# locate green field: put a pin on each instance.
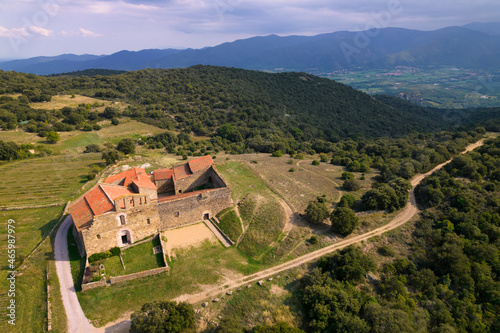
(435, 87)
(44, 180)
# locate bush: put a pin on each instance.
(277, 153)
(344, 221)
(291, 170)
(347, 175)
(99, 256)
(313, 240)
(347, 200)
(386, 251)
(316, 212)
(315, 163)
(163, 317)
(92, 148)
(351, 185)
(115, 121)
(53, 137)
(126, 146)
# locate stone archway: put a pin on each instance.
(124, 237)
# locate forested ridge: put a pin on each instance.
(266, 111)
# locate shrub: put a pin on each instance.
(315, 163)
(291, 170)
(347, 175)
(313, 240)
(126, 146)
(386, 251)
(344, 221)
(351, 185)
(277, 153)
(316, 212)
(103, 255)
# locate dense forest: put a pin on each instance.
(262, 112)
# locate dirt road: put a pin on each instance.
(78, 323)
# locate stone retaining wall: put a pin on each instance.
(134, 276)
(92, 285)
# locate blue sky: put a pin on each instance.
(31, 28)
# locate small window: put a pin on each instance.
(122, 219)
(180, 191)
(176, 214)
(149, 221)
(132, 202)
(98, 236)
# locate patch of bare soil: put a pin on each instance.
(186, 237)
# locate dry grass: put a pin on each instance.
(299, 187)
(60, 101)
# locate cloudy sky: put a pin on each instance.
(31, 28)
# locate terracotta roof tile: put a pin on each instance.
(81, 213)
(181, 171)
(114, 191)
(162, 174)
(126, 177)
(98, 201)
(144, 182)
(200, 163)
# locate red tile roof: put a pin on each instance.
(135, 175)
(81, 213)
(200, 163)
(144, 182)
(181, 171)
(115, 191)
(162, 174)
(98, 201)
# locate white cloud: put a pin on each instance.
(80, 33)
(40, 31)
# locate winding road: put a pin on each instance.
(77, 322)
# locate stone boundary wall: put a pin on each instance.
(134, 276)
(31, 207)
(92, 285)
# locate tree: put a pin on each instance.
(344, 220)
(53, 137)
(350, 264)
(347, 200)
(92, 148)
(161, 317)
(351, 185)
(126, 146)
(110, 156)
(346, 175)
(316, 212)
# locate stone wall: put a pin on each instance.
(92, 285)
(186, 210)
(138, 212)
(133, 276)
(165, 186)
(200, 178)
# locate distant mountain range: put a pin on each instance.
(475, 45)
